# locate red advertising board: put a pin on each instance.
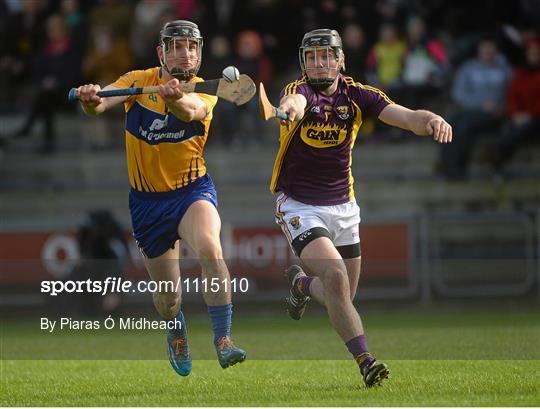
(256, 252)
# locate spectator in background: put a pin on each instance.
(224, 113)
(116, 15)
(523, 103)
(261, 16)
(76, 21)
(385, 60)
(219, 58)
(147, 16)
(20, 42)
(186, 9)
(479, 91)
(391, 12)
(52, 80)
(251, 60)
(329, 13)
(384, 68)
(424, 67)
(110, 24)
(108, 58)
(354, 47)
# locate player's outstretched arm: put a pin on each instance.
(294, 106)
(94, 105)
(420, 122)
(185, 106)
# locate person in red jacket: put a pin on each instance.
(523, 102)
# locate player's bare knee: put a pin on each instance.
(209, 250)
(336, 283)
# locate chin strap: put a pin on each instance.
(181, 75)
(321, 86)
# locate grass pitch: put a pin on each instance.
(443, 378)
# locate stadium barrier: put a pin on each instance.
(432, 256)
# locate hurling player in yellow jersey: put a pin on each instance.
(315, 206)
(172, 197)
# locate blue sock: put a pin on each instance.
(179, 328)
(221, 316)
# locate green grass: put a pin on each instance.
(268, 383)
(435, 360)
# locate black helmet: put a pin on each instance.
(180, 29)
(320, 38)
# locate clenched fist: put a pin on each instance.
(87, 94)
(171, 91)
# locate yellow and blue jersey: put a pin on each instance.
(163, 152)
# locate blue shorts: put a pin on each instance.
(155, 216)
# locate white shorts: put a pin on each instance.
(302, 223)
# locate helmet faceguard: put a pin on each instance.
(173, 32)
(320, 41)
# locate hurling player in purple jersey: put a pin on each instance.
(315, 206)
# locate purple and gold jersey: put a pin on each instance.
(163, 152)
(313, 164)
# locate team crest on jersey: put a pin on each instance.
(295, 222)
(316, 109)
(343, 112)
(320, 135)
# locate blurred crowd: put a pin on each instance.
(476, 62)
